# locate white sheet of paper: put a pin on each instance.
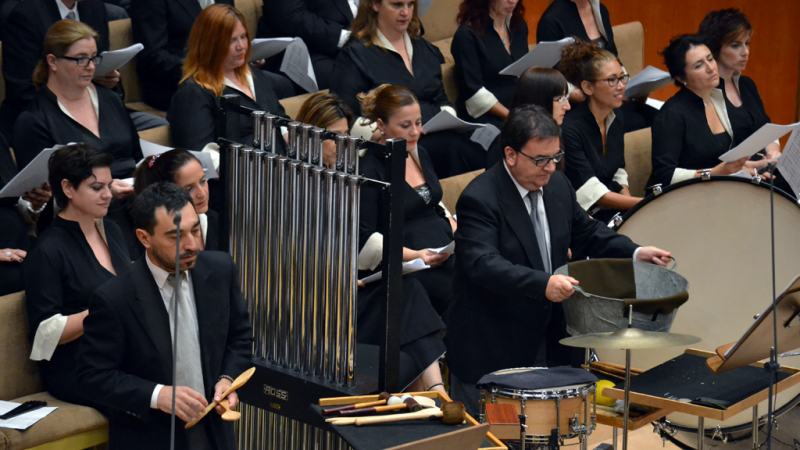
(127, 180)
(789, 162)
(265, 48)
(34, 175)
(758, 140)
(657, 104)
(297, 66)
(648, 81)
(443, 120)
(423, 6)
(485, 136)
(115, 59)
(23, 421)
(544, 54)
(149, 148)
(415, 265)
(448, 249)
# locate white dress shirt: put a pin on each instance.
(63, 10)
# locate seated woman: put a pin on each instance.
(386, 47)
(70, 108)
(421, 328)
(217, 53)
(181, 167)
(594, 132)
(80, 251)
(536, 86)
(492, 34)
(587, 20)
(692, 130)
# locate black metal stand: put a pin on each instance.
(175, 295)
(772, 366)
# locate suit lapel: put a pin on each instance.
(517, 216)
(344, 7)
(48, 13)
(192, 7)
(554, 208)
(152, 313)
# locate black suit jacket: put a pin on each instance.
(499, 312)
(126, 349)
(318, 22)
(163, 27)
(23, 38)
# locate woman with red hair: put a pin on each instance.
(216, 64)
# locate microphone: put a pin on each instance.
(175, 295)
(767, 168)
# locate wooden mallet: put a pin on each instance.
(382, 398)
(237, 383)
(451, 413)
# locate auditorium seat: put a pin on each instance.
(251, 10)
(158, 135)
(638, 148)
(70, 427)
(292, 104)
(453, 187)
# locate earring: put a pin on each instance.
(383, 133)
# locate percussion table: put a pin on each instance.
(679, 385)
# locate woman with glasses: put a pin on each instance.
(70, 108)
(594, 132)
(536, 86)
(693, 129)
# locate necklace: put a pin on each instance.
(498, 33)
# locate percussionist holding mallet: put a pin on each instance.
(515, 224)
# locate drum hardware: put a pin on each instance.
(523, 431)
(705, 175)
(655, 189)
(615, 221)
(785, 355)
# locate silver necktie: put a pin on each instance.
(189, 368)
(71, 15)
(538, 228)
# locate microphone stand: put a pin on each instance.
(772, 367)
(175, 293)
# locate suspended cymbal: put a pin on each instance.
(630, 339)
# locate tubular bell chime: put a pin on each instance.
(292, 229)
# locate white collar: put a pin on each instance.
(232, 85)
(522, 191)
(160, 274)
(598, 17)
(63, 10)
(735, 78)
(381, 41)
(609, 120)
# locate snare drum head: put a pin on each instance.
(719, 233)
(531, 379)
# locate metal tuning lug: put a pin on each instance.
(615, 221)
(705, 175)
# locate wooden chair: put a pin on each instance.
(453, 187)
(638, 163)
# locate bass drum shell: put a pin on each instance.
(718, 231)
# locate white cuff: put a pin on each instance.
(363, 129)
(372, 253)
(154, 397)
(343, 38)
(591, 191)
(446, 212)
(480, 103)
(47, 336)
(679, 175)
(212, 148)
(449, 109)
(636, 253)
(621, 177)
(203, 226)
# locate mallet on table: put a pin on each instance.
(382, 399)
(346, 419)
(451, 413)
(237, 383)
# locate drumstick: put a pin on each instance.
(382, 398)
(408, 403)
(614, 366)
(237, 383)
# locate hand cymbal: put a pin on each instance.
(630, 339)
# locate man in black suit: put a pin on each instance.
(322, 24)
(516, 223)
(23, 40)
(125, 358)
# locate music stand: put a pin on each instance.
(757, 342)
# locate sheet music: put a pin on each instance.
(545, 54)
(758, 140)
(657, 104)
(266, 48)
(415, 265)
(149, 148)
(297, 66)
(448, 249)
(485, 136)
(23, 421)
(34, 175)
(115, 59)
(648, 81)
(789, 162)
(446, 121)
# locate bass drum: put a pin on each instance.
(718, 230)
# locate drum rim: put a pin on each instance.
(544, 394)
(727, 178)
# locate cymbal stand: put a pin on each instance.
(627, 406)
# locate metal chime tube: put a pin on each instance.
(244, 188)
(233, 208)
(268, 132)
(258, 129)
(329, 278)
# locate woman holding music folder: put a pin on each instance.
(81, 250)
(492, 34)
(692, 130)
(386, 47)
(594, 132)
(216, 64)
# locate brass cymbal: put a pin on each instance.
(630, 339)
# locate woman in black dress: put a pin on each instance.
(594, 132)
(80, 251)
(492, 34)
(218, 50)
(386, 47)
(585, 19)
(692, 130)
(181, 167)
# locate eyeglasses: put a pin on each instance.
(614, 81)
(84, 61)
(544, 160)
(563, 100)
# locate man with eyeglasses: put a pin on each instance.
(516, 223)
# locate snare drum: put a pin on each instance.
(719, 230)
(569, 409)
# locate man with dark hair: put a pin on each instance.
(512, 234)
(125, 359)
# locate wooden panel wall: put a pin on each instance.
(775, 51)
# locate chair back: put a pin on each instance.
(453, 187)
(20, 374)
(638, 162)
